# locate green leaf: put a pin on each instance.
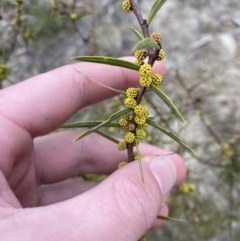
(88, 124)
(110, 119)
(167, 101)
(154, 10)
(170, 134)
(145, 44)
(107, 136)
(107, 60)
(170, 219)
(138, 34)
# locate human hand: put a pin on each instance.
(39, 199)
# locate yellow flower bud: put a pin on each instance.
(122, 164)
(139, 62)
(187, 188)
(145, 70)
(156, 79)
(129, 137)
(126, 6)
(141, 111)
(161, 55)
(132, 92)
(140, 133)
(130, 103)
(4, 71)
(157, 37)
(122, 146)
(137, 155)
(140, 54)
(140, 120)
(73, 16)
(145, 81)
(123, 122)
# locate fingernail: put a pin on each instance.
(164, 171)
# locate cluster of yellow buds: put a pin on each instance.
(126, 6)
(121, 164)
(135, 125)
(187, 188)
(157, 37)
(73, 16)
(134, 128)
(140, 55)
(161, 55)
(137, 155)
(147, 78)
(145, 71)
(4, 71)
(122, 145)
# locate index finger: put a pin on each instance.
(42, 103)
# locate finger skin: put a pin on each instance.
(83, 157)
(65, 190)
(42, 103)
(119, 208)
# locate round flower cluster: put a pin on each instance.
(141, 111)
(161, 55)
(145, 81)
(130, 103)
(132, 92)
(140, 133)
(4, 71)
(145, 70)
(187, 188)
(122, 164)
(123, 122)
(129, 127)
(143, 126)
(139, 62)
(140, 120)
(127, 117)
(73, 16)
(140, 54)
(130, 137)
(137, 155)
(126, 6)
(157, 37)
(126, 124)
(157, 79)
(122, 145)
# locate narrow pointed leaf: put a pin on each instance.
(110, 119)
(140, 165)
(170, 134)
(167, 101)
(107, 136)
(154, 10)
(170, 219)
(107, 60)
(99, 83)
(88, 124)
(137, 33)
(145, 44)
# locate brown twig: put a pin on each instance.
(152, 54)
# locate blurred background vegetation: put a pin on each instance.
(201, 40)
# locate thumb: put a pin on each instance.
(121, 207)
